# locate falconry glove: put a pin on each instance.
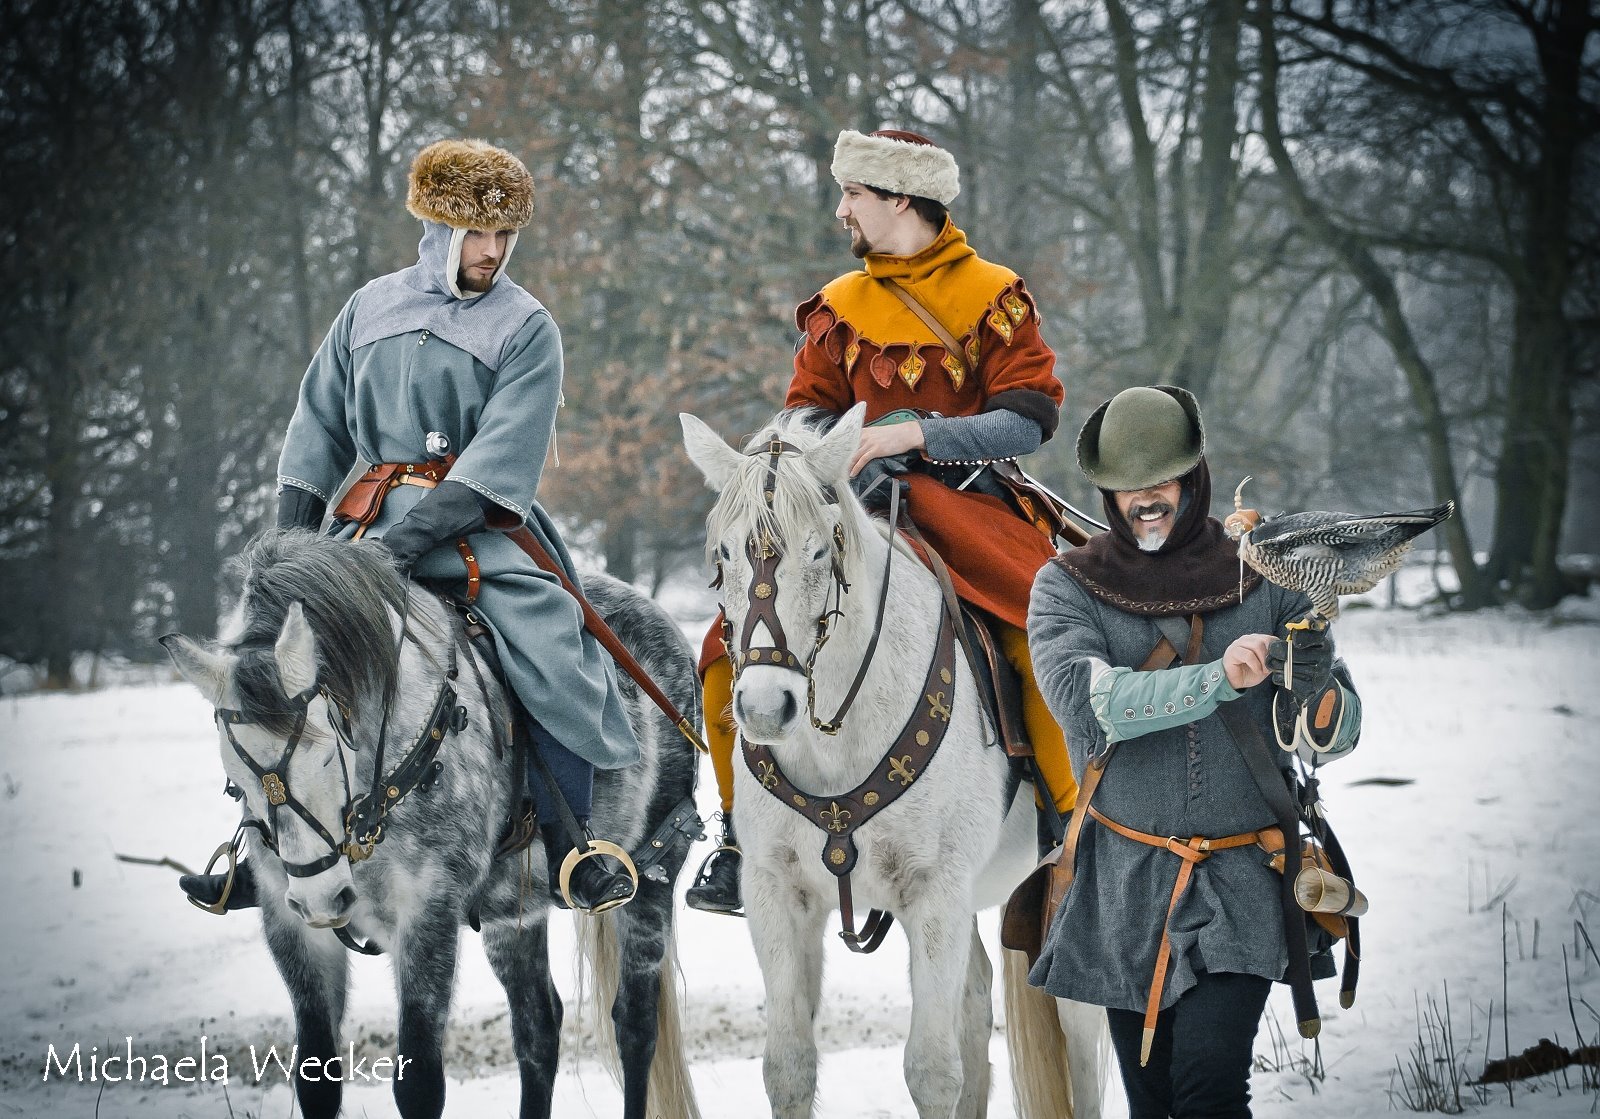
(298, 508)
(873, 483)
(449, 511)
(1306, 668)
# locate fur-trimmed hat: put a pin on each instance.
(470, 184)
(899, 162)
(1142, 437)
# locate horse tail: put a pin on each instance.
(671, 1088)
(1041, 1081)
(671, 1091)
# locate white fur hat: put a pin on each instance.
(899, 162)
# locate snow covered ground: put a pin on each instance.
(1471, 806)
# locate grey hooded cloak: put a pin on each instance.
(408, 356)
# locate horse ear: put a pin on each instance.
(206, 670)
(296, 652)
(830, 459)
(707, 450)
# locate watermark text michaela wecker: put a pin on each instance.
(117, 1065)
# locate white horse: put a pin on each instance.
(930, 839)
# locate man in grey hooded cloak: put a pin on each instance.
(451, 355)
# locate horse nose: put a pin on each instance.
(345, 902)
(766, 710)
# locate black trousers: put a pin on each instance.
(1200, 1062)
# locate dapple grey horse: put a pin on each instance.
(958, 836)
(327, 630)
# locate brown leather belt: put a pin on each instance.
(1195, 849)
(363, 501)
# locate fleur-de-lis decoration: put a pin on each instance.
(835, 816)
(901, 771)
(937, 707)
(767, 773)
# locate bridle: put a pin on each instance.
(362, 817)
(761, 598)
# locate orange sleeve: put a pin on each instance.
(1018, 373)
(819, 379)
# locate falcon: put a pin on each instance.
(1325, 555)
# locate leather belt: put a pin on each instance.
(1196, 849)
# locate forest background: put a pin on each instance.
(1364, 232)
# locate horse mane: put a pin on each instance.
(799, 498)
(346, 590)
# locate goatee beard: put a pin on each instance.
(467, 283)
(1148, 543)
(858, 244)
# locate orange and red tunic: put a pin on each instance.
(862, 344)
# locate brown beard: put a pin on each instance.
(858, 244)
(467, 283)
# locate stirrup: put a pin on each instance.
(705, 878)
(595, 848)
(230, 849)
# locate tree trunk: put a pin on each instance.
(1379, 286)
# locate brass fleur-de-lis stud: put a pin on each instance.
(901, 771)
(937, 707)
(835, 816)
(767, 773)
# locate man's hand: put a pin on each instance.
(1245, 661)
(890, 439)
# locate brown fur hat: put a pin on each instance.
(470, 184)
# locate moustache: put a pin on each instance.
(1160, 508)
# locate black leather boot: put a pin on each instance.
(595, 886)
(205, 889)
(716, 886)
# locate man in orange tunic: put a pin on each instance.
(996, 398)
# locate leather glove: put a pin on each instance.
(1313, 663)
(298, 508)
(449, 511)
(872, 485)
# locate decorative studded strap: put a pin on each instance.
(906, 760)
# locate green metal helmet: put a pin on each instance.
(1142, 437)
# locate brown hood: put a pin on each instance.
(1196, 570)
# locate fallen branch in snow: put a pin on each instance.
(1537, 1060)
(167, 861)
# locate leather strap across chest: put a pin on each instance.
(906, 759)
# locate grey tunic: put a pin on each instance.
(1184, 781)
(378, 402)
